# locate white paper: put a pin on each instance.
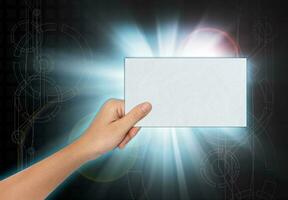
(199, 92)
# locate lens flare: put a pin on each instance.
(209, 42)
(161, 154)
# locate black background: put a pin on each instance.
(268, 20)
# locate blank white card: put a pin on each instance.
(200, 92)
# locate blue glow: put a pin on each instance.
(159, 148)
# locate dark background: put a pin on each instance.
(260, 28)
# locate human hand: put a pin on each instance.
(111, 128)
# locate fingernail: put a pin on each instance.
(134, 133)
(146, 107)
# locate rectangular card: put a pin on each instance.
(188, 92)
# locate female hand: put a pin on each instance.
(111, 128)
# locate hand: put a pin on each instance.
(111, 128)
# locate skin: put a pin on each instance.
(111, 128)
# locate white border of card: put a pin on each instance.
(188, 92)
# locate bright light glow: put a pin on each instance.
(209, 42)
(161, 153)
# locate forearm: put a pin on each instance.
(37, 181)
(109, 129)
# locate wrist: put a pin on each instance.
(77, 150)
(82, 150)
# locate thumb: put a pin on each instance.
(132, 117)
